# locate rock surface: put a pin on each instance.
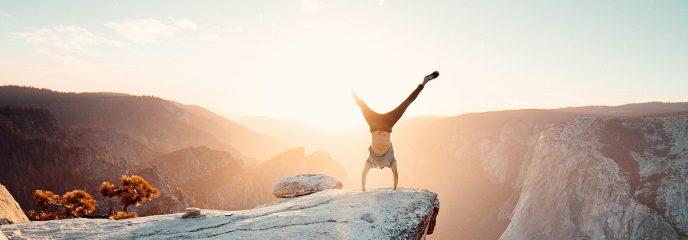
(598, 178)
(304, 184)
(329, 214)
(10, 212)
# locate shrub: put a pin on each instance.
(77, 203)
(134, 191)
(122, 215)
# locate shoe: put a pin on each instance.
(432, 76)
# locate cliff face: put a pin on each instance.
(479, 164)
(610, 178)
(329, 214)
(10, 212)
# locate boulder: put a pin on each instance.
(328, 214)
(10, 212)
(192, 212)
(304, 184)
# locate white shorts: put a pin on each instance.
(381, 161)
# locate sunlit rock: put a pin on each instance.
(10, 212)
(328, 214)
(304, 184)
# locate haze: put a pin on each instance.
(301, 59)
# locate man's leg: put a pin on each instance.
(368, 113)
(394, 115)
(396, 175)
(366, 168)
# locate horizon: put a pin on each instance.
(301, 59)
(241, 119)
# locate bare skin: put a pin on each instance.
(367, 168)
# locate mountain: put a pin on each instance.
(584, 172)
(217, 179)
(119, 149)
(473, 162)
(36, 154)
(328, 214)
(509, 174)
(630, 110)
(611, 178)
(159, 124)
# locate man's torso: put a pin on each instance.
(380, 142)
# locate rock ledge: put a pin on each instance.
(328, 214)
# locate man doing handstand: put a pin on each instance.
(381, 153)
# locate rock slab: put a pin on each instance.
(304, 184)
(596, 178)
(10, 212)
(328, 214)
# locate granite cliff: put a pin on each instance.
(329, 214)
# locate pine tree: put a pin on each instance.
(133, 191)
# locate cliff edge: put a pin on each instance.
(329, 214)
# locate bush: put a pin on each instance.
(77, 203)
(122, 215)
(134, 191)
(46, 199)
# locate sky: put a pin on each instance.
(301, 59)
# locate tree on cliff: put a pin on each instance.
(74, 204)
(78, 203)
(133, 191)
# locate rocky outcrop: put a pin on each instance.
(606, 178)
(329, 214)
(304, 184)
(10, 212)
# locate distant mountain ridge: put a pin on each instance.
(631, 110)
(49, 160)
(493, 170)
(159, 124)
(183, 150)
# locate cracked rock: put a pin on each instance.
(328, 214)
